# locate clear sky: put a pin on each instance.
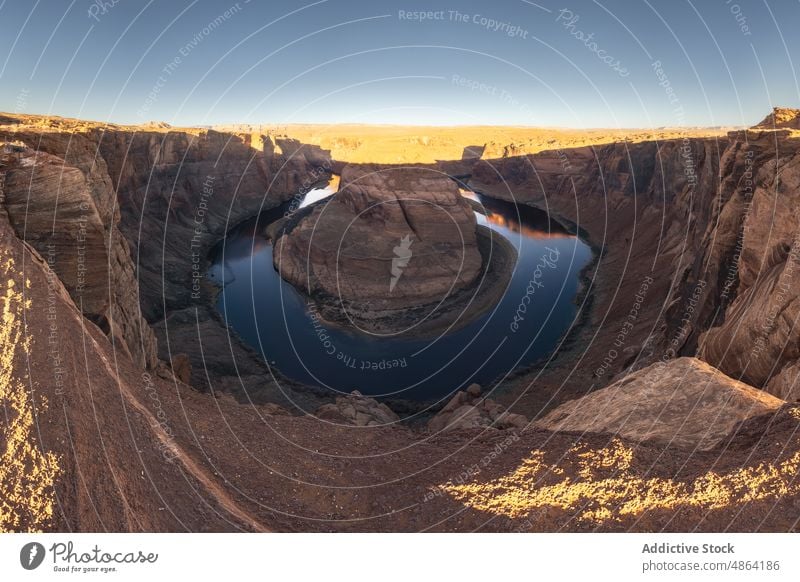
(577, 63)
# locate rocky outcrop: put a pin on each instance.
(718, 216)
(90, 442)
(683, 403)
(392, 239)
(182, 368)
(469, 410)
(781, 118)
(646, 209)
(357, 410)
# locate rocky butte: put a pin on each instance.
(391, 240)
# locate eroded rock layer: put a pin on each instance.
(700, 252)
(65, 209)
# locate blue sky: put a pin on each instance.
(642, 63)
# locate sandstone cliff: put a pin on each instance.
(88, 444)
(699, 251)
(756, 336)
(645, 208)
(63, 205)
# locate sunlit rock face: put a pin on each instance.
(781, 118)
(389, 239)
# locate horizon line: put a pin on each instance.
(155, 122)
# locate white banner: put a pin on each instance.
(388, 557)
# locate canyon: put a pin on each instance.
(134, 407)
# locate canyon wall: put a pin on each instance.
(180, 192)
(91, 442)
(644, 207)
(698, 251)
(757, 337)
(696, 236)
(60, 200)
(127, 215)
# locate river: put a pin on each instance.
(524, 327)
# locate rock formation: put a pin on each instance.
(128, 215)
(467, 410)
(357, 410)
(781, 118)
(756, 336)
(390, 240)
(115, 456)
(644, 208)
(683, 403)
(192, 187)
(182, 368)
(718, 216)
(65, 209)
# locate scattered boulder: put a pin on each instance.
(468, 410)
(683, 403)
(474, 390)
(358, 410)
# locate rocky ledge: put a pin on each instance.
(468, 409)
(682, 403)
